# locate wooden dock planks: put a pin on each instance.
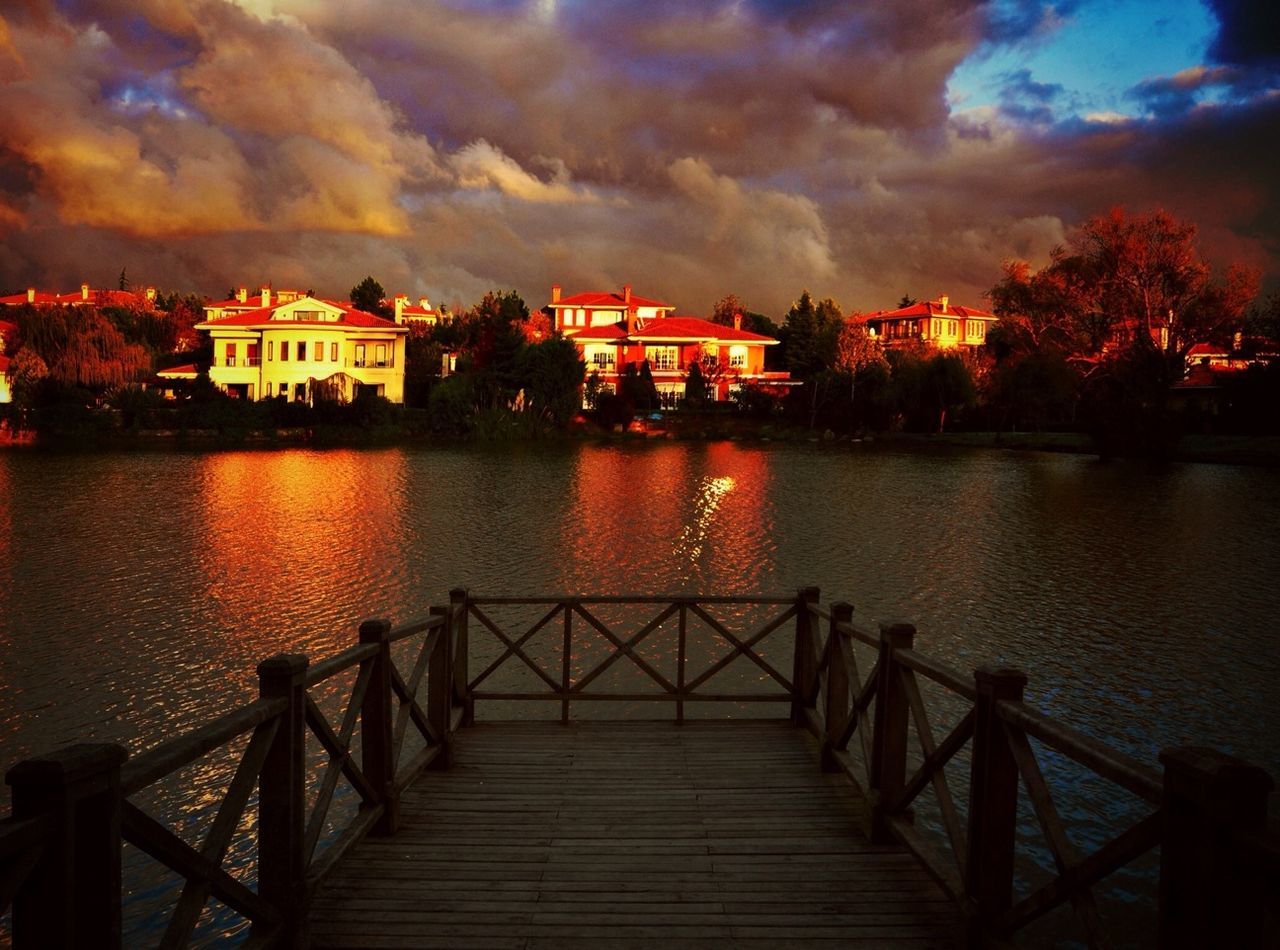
(627, 835)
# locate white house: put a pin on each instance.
(288, 347)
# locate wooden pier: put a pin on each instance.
(879, 806)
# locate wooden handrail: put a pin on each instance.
(1223, 849)
(166, 758)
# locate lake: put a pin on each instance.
(138, 591)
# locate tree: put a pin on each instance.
(1146, 272)
(906, 301)
(552, 374)
(855, 349)
(368, 295)
(726, 308)
(695, 386)
(800, 337)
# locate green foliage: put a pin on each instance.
(81, 347)
(368, 295)
(695, 386)
(637, 389)
(451, 408)
(809, 334)
(593, 389)
(551, 373)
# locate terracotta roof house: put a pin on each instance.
(615, 330)
(288, 347)
(938, 323)
(84, 297)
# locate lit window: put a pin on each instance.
(319, 351)
(270, 349)
(737, 357)
(359, 360)
(381, 354)
(662, 357)
(333, 352)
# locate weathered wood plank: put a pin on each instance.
(631, 835)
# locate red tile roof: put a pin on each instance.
(607, 331)
(608, 300)
(98, 298)
(261, 316)
(185, 371)
(695, 328)
(1207, 349)
(929, 308)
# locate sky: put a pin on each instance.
(858, 149)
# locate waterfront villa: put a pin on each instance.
(937, 323)
(85, 297)
(613, 331)
(6, 392)
(419, 314)
(282, 343)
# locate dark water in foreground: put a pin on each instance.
(137, 592)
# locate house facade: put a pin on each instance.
(6, 333)
(290, 347)
(613, 331)
(937, 323)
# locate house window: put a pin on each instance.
(284, 351)
(333, 352)
(251, 356)
(270, 349)
(231, 354)
(737, 357)
(603, 359)
(319, 351)
(662, 357)
(381, 355)
(302, 352)
(359, 360)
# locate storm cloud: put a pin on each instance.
(690, 150)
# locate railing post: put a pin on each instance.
(682, 648)
(1208, 897)
(461, 673)
(803, 668)
(282, 860)
(377, 752)
(993, 800)
(72, 896)
(837, 711)
(440, 691)
(889, 728)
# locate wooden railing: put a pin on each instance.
(73, 810)
(685, 687)
(61, 848)
(1218, 884)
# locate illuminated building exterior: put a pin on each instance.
(286, 344)
(613, 331)
(936, 323)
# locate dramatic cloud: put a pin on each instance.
(452, 146)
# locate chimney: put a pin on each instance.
(31, 295)
(944, 299)
(555, 293)
(266, 296)
(737, 321)
(626, 294)
(84, 291)
(400, 301)
(242, 295)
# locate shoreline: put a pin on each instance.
(1263, 451)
